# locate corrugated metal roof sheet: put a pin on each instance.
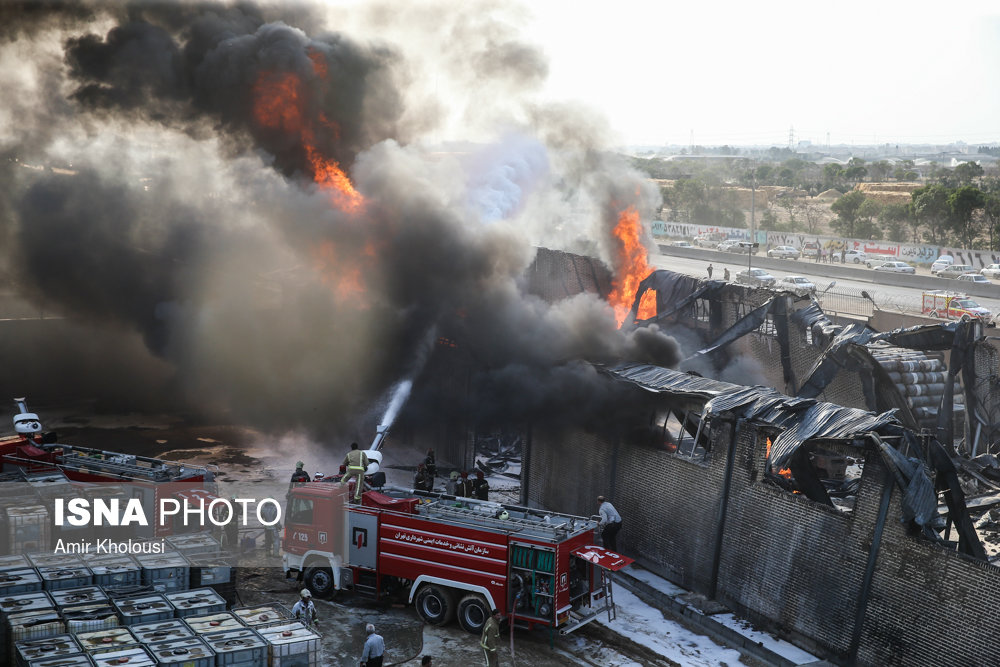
(800, 419)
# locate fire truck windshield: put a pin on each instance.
(968, 303)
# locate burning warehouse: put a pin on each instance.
(231, 216)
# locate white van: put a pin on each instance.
(941, 262)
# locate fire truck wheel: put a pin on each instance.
(319, 581)
(966, 317)
(435, 604)
(472, 613)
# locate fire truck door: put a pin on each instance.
(363, 536)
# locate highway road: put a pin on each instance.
(889, 297)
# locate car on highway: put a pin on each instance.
(955, 270)
(851, 256)
(744, 247)
(755, 278)
(895, 267)
(681, 244)
(709, 239)
(797, 284)
(991, 271)
(725, 245)
(974, 278)
(940, 263)
(784, 252)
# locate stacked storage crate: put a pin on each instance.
(60, 646)
(206, 625)
(13, 610)
(209, 566)
(133, 656)
(185, 652)
(291, 644)
(100, 640)
(143, 609)
(114, 571)
(161, 631)
(75, 660)
(198, 602)
(165, 573)
(238, 648)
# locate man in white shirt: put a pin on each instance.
(611, 523)
(374, 648)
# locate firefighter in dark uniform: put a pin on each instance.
(480, 487)
(464, 487)
(430, 462)
(422, 481)
(356, 462)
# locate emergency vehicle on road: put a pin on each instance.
(451, 557)
(952, 306)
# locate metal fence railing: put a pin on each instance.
(847, 301)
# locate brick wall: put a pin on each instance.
(789, 564)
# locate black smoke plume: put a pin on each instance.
(146, 196)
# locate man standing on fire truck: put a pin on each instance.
(611, 523)
(356, 462)
(490, 639)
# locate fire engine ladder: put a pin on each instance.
(512, 524)
(609, 593)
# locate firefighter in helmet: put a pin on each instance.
(299, 476)
(357, 463)
(305, 608)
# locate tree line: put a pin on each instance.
(959, 206)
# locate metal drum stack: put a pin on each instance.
(920, 378)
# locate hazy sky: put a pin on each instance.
(737, 73)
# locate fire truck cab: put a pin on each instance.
(450, 557)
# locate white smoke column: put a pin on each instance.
(501, 176)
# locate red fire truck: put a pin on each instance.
(952, 305)
(150, 479)
(451, 556)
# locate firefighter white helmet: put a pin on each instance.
(503, 515)
(305, 594)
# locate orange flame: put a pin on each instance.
(279, 100)
(345, 277)
(632, 268)
(784, 472)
